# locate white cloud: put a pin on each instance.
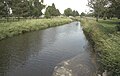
(79, 5)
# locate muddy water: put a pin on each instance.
(57, 51)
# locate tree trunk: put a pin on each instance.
(7, 19)
(97, 18)
(104, 17)
(118, 17)
(13, 19)
(18, 18)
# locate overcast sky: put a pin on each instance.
(79, 5)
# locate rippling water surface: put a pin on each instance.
(38, 53)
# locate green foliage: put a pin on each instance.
(42, 1)
(51, 11)
(4, 11)
(105, 8)
(16, 7)
(115, 5)
(25, 11)
(68, 12)
(47, 12)
(37, 8)
(106, 43)
(82, 14)
(14, 28)
(99, 6)
(75, 13)
(57, 12)
(21, 8)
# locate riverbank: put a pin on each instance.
(10, 29)
(106, 42)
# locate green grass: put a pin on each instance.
(10, 29)
(106, 42)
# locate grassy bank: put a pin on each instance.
(10, 29)
(106, 42)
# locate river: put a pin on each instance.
(56, 51)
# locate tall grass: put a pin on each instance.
(10, 29)
(106, 43)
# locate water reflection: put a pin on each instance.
(14, 52)
(37, 53)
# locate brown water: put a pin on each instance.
(38, 53)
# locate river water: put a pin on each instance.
(57, 51)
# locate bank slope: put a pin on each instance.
(10, 29)
(106, 41)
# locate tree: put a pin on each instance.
(115, 7)
(51, 11)
(48, 12)
(4, 9)
(75, 13)
(68, 12)
(26, 9)
(82, 14)
(38, 8)
(42, 1)
(54, 11)
(31, 7)
(98, 6)
(17, 8)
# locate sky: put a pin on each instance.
(79, 5)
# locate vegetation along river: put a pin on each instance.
(56, 51)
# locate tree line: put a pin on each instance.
(21, 8)
(52, 11)
(30, 8)
(105, 9)
(70, 12)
